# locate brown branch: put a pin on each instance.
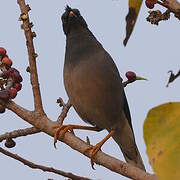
(41, 167)
(172, 6)
(33, 130)
(32, 55)
(19, 133)
(46, 125)
(64, 112)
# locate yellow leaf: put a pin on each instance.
(134, 7)
(162, 138)
(136, 4)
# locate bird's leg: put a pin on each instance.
(61, 130)
(94, 149)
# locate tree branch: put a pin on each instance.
(64, 112)
(32, 130)
(32, 55)
(29, 131)
(41, 167)
(46, 125)
(19, 133)
(173, 5)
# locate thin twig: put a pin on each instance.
(172, 5)
(32, 55)
(19, 133)
(46, 125)
(41, 167)
(64, 112)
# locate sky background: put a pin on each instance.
(151, 52)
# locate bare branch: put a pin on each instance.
(46, 125)
(32, 55)
(172, 6)
(33, 130)
(19, 133)
(41, 167)
(21, 112)
(64, 112)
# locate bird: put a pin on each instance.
(95, 89)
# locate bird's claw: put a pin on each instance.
(93, 150)
(60, 131)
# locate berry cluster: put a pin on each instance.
(10, 79)
(150, 3)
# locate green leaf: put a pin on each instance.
(134, 7)
(162, 138)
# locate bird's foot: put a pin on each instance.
(61, 130)
(94, 149)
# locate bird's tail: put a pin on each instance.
(124, 137)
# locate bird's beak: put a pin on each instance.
(71, 14)
(140, 78)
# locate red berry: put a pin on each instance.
(17, 77)
(13, 93)
(5, 74)
(131, 76)
(4, 95)
(18, 86)
(150, 3)
(7, 61)
(10, 143)
(2, 51)
(11, 70)
(20, 79)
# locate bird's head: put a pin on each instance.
(72, 19)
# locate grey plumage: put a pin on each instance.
(94, 86)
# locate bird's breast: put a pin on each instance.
(94, 90)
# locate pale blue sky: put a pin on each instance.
(151, 52)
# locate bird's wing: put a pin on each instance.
(127, 112)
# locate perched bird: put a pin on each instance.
(95, 88)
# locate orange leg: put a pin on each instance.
(94, 149)
(61, 130)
